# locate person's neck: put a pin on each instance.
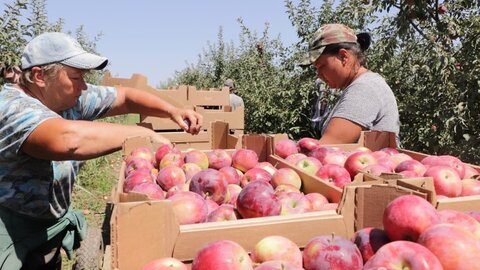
(356, 72)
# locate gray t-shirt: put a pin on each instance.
(235, 101)
(369, 102)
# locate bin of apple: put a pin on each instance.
(218, 185)
(415, 236)
(451, 176)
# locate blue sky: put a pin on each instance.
(155, 38)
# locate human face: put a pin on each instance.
(332, 70)
(65, 88)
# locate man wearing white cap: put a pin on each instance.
(46, 127)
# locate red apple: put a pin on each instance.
(455, 247)
(335, 174)
(470, 172)
(136, 178)
(474, 214)
(286, 147)
(171, 176)
(329, 155)
(380, 154)
(244, 159)
(442, 9)
(446, 160)
(152, 190)
(309, 165)
(277, 265)
(258, 199)
(189, 207)
(219, 158)
(136, 164)
(166, 263)
(286, 176)
(171, 159)
(461, 219)
(175, 189)
(285, 188)
(398, 158)
(267, 166)
(211, 206)
(197, 157)
(376, 169)
(362, 149)
(470, 187)
(223, 213)
(222, 254)
(403, 255)
(387, 162)
(211, 184)
(317, 200)
(190, 169)
(408, 174)
(164, 149)
(389, 150)
(255, 174)
(305, 145)
(357, 161)
(294, 203)
(277, 247)
(411, 165)
(231, 174)
(446, 180)
(232, 194)
(407, 216)
(141, 152)
(294, 158)
(331, 252)
(369, 240)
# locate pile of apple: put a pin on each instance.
(216, 186)
(415, 237)
(451, 177)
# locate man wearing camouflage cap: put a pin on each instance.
(366, 101)
(235, 100)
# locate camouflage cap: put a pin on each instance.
(326, 35)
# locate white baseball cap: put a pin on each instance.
(56, 47)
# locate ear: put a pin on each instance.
(38, 77)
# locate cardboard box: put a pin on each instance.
(210, 97)
(149, 229)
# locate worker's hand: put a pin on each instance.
(188, 120)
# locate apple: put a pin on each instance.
(267, 166)
(306, 144)
(369, 240)
(232, 194)
(166, 263)
(255, 174)
(455, 247)
(244, 159)
(474, 214)
(408, 174)
(189, 207)
(335, 174)
(461, 219)
(411, 165)
(331, 252)
(328, 206)
(277, 265)
(470, 187)
(380, 154)
(285, 188)
(170, 176)
(398, 158)
(407, 216)
(232, 175)
(175, 189)
(164, 149)
(210, 183)
(376, 169)
(211, 206)
(470, 172)
(141, 152)
(257, 199)
(329, 155)
(276, 247)
(446, 180)
(317, 200)
(190, 169)
(223, 213)
(357, 161)
(171, 159)
(286, 147)
(219, 158)
(403, 255)
(293, 203)
(309, 165)
(442, 9)
(387, 162)
(286, 176)
(389, 150)
(197, 157)
(446, 160)
(152, 190)
(137, 163)
(294, 158)
(362, 149)
(222, 254)
(136, 178)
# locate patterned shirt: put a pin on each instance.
(35, 187)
